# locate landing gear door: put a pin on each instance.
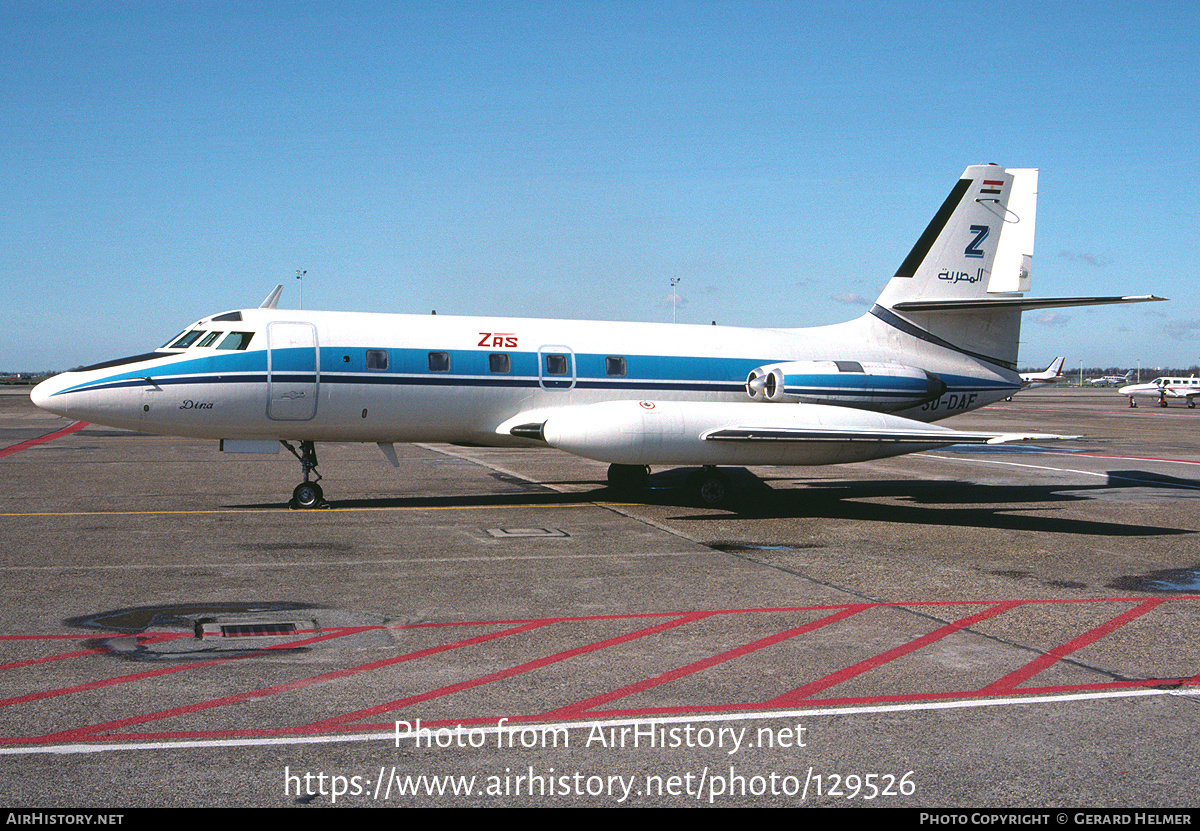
(293, 371)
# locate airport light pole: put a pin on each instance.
(674, 297)
(300, 276)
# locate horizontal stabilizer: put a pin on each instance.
(1021, 303)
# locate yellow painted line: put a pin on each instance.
(313, 512)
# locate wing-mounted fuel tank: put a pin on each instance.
(884, 388)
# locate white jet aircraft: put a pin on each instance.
(940, 340)
(1184, 389)
(1050, 375)
(1111, 380)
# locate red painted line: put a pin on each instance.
(49, 658)
(81, 733)
(579, 709)
(800, 693)
(57, 434)
(510, 672)
(1013, 679)
(84, 733)
(651, 712)
(854, 701)
(72, 637)
(107, 682)
(587, 709)
(141, 676)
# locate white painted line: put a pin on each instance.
(698, 718)
(412, 561)
(1106, 475)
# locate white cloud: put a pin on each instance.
(1087, 259)
(851, 299)
(1184, 329)
(1053, 319)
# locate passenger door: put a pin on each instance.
(293, 371)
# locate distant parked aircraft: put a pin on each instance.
(1182, 389)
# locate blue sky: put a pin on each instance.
(166, 160)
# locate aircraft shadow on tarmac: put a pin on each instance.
(955, 503)
(942, 502)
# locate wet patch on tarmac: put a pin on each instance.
(187, 631)
(1168, 580)
(738, 548)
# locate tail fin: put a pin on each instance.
(979, 246)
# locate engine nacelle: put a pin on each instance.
(679, 433)
(880, 387)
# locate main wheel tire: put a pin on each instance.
(710, 488)
(628, 477)
(307, 495)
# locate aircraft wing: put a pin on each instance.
(939, 438)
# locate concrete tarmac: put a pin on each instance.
(968, 627)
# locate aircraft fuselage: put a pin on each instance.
(334, 376)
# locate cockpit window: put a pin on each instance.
(210, 338)
(236, 340)
(187, 340)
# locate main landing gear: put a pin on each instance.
(707, 487)
(307, 494)
(628, 478)
(710, 488)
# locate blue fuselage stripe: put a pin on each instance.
(469, 368)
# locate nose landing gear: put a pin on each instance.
(308, 494)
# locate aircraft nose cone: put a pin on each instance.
(43, 396)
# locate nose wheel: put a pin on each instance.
(308, 494)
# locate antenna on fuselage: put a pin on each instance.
(272, 298)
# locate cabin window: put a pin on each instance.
(439, 361)
(187, 340)
(499, 363)
(236, 340)
(377, 359)
(557, 364)
(614, 366)
(210, 339)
